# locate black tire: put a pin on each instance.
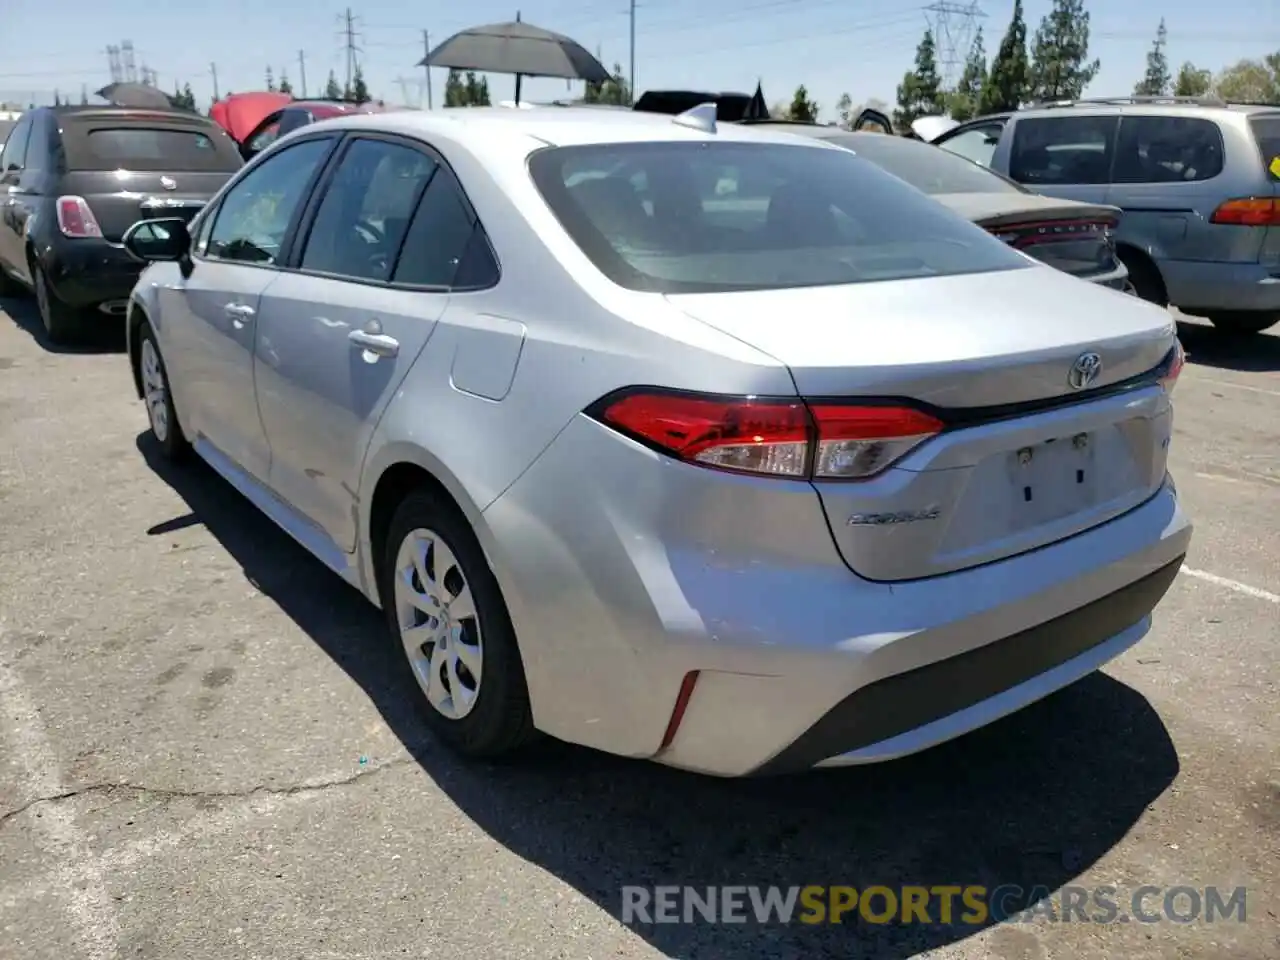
(1243, 324)
(8, 286)
(1145, 278)
(167, 434)
(499, 722)
(62, 323)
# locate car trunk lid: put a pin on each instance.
(1029, 454)
(144, 166)
(1068, 235)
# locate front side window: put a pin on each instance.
(256, 211)
(1167, 149)
(14, 157)
(977, 144)
(684, 217)
(1054, 151)
(366, 209)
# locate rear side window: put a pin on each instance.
(134, 147)
(1167, 149)
(690, 217)
(438, 236)
(1062, 150)
(1266, 132)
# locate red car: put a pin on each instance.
(255, 120)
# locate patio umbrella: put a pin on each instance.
(136, 95)
(757, 109)
(518, 48)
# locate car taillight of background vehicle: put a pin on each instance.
(797, 439)
(1174, 367)
(75, 219)
(1248, 212)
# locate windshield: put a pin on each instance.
(924, 166)
(689, 217)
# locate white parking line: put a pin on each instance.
(80, 878)
(1238, 386)
(1235, 585)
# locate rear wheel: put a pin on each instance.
(1243, 324)
(62, 322)
(165, 428)
(451, 627)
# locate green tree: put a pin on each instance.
(1060, 64)
(84, 97)
(1192, 81)
(920, 92)
(964, 102)
(1006, 86)
(455, 91)
(285, 86)
(845, 114)
(476, 90)
(802, 108)
(1156, 82)
(271, 81)
(1252, 81)
(57, 99)
(359, 92)
(331, 89)
(188, 97)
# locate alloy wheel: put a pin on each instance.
(438, 624)
(155, 390)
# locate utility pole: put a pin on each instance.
(632, 81)
(302, 72)
(213, 72)
(351, 49)
(426, 70)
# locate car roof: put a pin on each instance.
(554, 126)
(109, 111)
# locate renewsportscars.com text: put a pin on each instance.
(971, 905)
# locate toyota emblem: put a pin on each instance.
(169, 183)
(1084, 371)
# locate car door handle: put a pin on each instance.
(240, 314)
(376, 343)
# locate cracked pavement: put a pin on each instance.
(203, 751)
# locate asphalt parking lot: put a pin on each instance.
(203, 753)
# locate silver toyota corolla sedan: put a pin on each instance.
(706, 444)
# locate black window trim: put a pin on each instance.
(1113, 142)
(300, 232)
(294, 218)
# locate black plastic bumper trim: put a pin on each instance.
(905, 701)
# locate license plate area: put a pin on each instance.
(1053, 479)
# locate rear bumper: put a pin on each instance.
(1117, 279)
(623, 579)
(1197, 286)
(90, 273)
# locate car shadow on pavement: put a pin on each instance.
(1031, 801)
(102, 334)
(1208, 347)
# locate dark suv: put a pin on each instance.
(74, 179)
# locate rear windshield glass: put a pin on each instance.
(1266, 130)
(701, 217)
(171, 149)
(924, 166)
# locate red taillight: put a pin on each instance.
(1248, 212)
(782, 437)
(1019, 235)
(75, 219)
(1169, 378)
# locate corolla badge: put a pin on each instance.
(169, 183)
(886, 519)
(1086, 369)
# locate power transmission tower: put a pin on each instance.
(426, 70)
(953, 26)
(351, 49)
(302, 73)
(113, 61)
(130, 67)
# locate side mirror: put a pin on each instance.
(152, 241)
(872, 121)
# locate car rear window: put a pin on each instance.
(1266, 131)
(689, 217)
(925, 167)
(172, 149)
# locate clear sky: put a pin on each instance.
(832, 46)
